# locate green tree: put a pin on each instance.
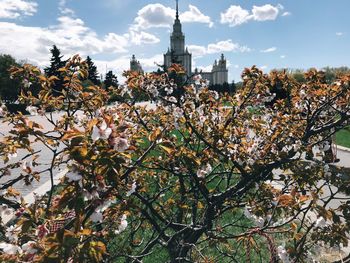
(92, 69)
(9, 88)
(56, 63)
(110, 80)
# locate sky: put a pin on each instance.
(271, 34)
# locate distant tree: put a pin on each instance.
(298, 75)
(9, 88)
(92, 69)
(225, 87)
(278, 87)
(110, 80)
(56, 63)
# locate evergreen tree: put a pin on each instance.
(92, 69)
(56, 63)
(110, 80)
(9, 88)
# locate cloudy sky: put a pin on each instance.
(270, 34)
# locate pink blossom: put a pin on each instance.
(121, 144)
(102, 132)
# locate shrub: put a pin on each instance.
(188, 180)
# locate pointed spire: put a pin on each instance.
(177, 9)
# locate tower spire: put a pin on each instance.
(177, 9)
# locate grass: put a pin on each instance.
(343, 137)
(160, 255)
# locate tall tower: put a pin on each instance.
(135, 65)
(177, 52)
(220, 72)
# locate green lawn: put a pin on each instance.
(343, 137)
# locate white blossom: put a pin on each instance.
(89, 196)
(26, 83)
(178, 112)
(12, 233)
(123, 225)
(132, 190)
(207, 169)
(102, 132)
(283, 254)
(96, 217)
(28, 247)
(172, 99)
(32, 110)
(4, 209)
(2, 111)
(73, 176)
(12, 155)
(121, 144)
(259, 221)
(153, 90)
(197, 79)
(27, 165)
(320, 222)
(9, 248)
(168, 90)
(325, 146)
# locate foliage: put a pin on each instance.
(111, 80)
(186, 178)
(9, 87)
(56, 63)
(330, 74)
(230, 88)
(92, 71)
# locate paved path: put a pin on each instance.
(344, 157)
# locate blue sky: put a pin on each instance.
(270, 34)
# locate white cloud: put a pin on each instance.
(197, 51)
(12, 9)
(265, 12)
(235, 15)
(119, 65)
(218, 47)
(226, 46)
(141, 37)
(339, 34)
(195, 15)
(150, 64)
(268, 50)
(154, 15)
(158, 15)
(264, 67)
(205, 68)
(282, 56)
(286, 14)
(71, 36)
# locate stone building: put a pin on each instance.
(135, 65)
(178, 53)
(219, 73)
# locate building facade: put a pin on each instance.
(135, 65)
(179, 54)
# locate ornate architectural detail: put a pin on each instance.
(218, 74)
(177, 53)
(135, 65)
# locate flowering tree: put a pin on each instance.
(197, 177)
